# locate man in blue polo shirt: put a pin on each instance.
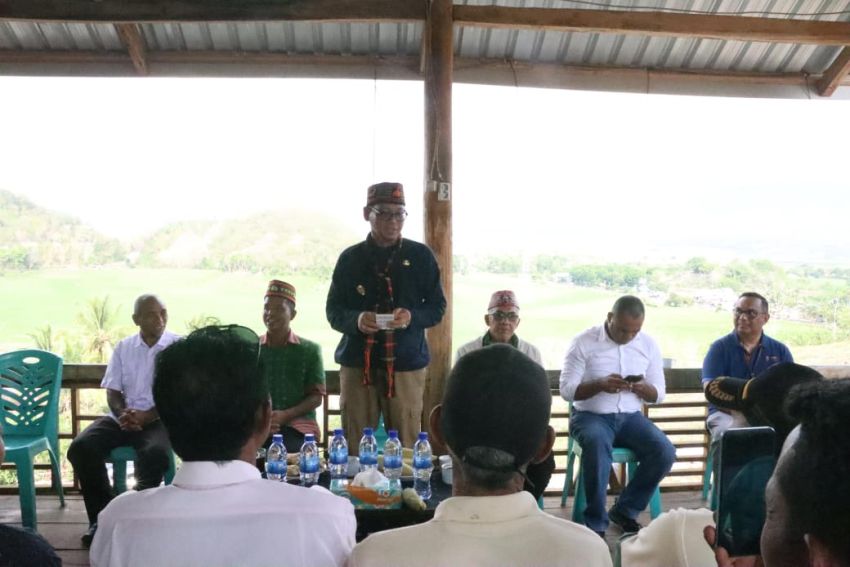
(743, 353)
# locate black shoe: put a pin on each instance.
(628, 525)
(87, 537)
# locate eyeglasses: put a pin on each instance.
(239, 332)
(505, 316)
(747, 313)
(390, 215)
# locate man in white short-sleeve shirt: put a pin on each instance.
(213, 398)
(610, 372)
(494, 419)
(133, 419)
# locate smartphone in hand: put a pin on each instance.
(632, 378)
(746, 462)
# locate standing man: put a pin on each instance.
(744, 353)
(133, 419)
(384, 293)
(293, 368)
(502, 320)
(610, 372)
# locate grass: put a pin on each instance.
(551, 313)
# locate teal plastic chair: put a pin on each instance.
(707, 478)
(381, 434)
(30, 381)
(119, 457)
(618, 455)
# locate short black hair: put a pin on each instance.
(207, 389)
(754, 295)
(629, 305)
(815, 477)
(495, 413)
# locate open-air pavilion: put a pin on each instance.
(763, 48)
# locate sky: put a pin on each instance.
(577, 173)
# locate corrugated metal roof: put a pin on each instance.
(473, 43)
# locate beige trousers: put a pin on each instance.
(361, 405)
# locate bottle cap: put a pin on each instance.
(393, 434)
(309, 437)
(337, 431)
(423, 435)
(367, 431)
(277, 438)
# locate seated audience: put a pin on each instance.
(502, 320)
(23, 548)
(808, 496)
(675, 538)
(494, 419)
(210, 391)
(293, 368)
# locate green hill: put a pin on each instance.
(33, 237)
(283, 242)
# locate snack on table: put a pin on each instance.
(412, 500)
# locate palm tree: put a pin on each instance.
(44, 338)
(100, 328)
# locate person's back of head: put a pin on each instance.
(814, 475)
(210, 392)
(495, 415)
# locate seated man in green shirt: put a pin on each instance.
(293, 368)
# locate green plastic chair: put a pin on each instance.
(618, 455)
(119, 457)
(30, 381)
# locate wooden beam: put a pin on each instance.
(213, 10)
(438, 169)
(775, 30)
(835, 74)
(131, 37)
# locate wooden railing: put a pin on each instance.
(681, 416)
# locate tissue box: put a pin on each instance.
(364, 498)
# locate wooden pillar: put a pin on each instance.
(438, 59)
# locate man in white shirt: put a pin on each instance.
(494, 419)
(609, 373)
(133, 419)
(502, 320)
(213, 398)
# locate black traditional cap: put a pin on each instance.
(496, 398)
(761, 399)
(386, 192)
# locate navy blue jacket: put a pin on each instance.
(416, 287)
(726, 357)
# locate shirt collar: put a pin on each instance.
(486, 509)
(488, 340)
(291, 339)
(139, 342)
(209, 474)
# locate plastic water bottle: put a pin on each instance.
(392, 456)
(368, 451)
(422, 466)
(276, 459)
(338, 455)
(308, 461)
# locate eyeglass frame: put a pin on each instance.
(749, 314)
(380, 214)
(511, 316)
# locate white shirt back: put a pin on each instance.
(224, 515)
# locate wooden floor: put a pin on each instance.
(62, 527)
